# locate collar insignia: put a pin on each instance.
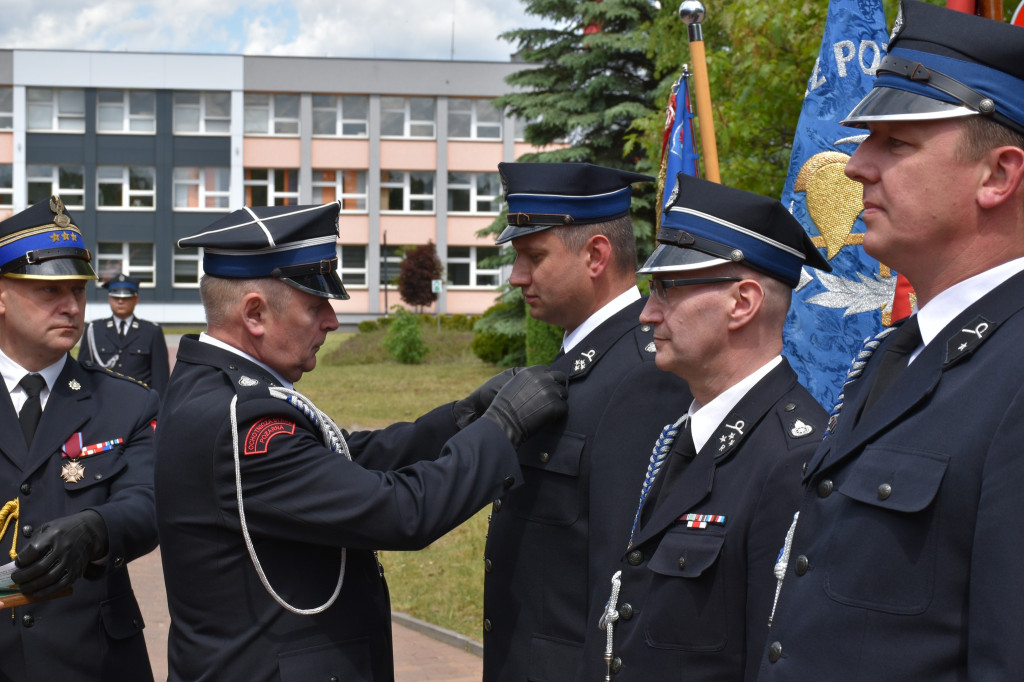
(247, 381)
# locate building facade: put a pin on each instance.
(147, 148)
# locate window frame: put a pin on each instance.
(203, 115)
(6, 107)
(407, 196)
(138, 272)
(408, 122)
(362, 272)
(201, 190)
(475, 197)
(128, 117)
(273, 117)
(475, 271)
(65, 193)
(475, 124)
(188, 255)
(273, 194)
(337, 185)
(127, 192)
(57, 114)
(340, 118)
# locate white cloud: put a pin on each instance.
(401, 29)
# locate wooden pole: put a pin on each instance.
(692, 13)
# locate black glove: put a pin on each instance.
(472, 406)
(59, 553)
(534, 396)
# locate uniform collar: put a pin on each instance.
(594, 321)
(206, 338)
(128, 321)
(13, 373)
(705, 419)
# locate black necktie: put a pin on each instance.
(904, 341)
(32, 410)
(678, 459)
(124, 328)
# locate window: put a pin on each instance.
(125, 111)
(519, 129)
(407, 191)
(134, 259)
(407, 116)
(271, 114)
(60, 109)
(352, 260)
(390, 265)
(6, 108)
(187, 266)
(475, 119)
(202, 113)
(474, 192)
(347, 186)
(464, 266)
(125, 187)
(271, 187)
(341, 115)
(6, 186)
(201, 189)
(68, 182)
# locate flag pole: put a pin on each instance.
(692, 13)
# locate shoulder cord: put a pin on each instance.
(661, 449)
(90, 337)
(334, 439)
(867, 349)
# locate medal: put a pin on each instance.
(72, 471)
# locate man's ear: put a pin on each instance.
(1004, 176)
(254, 313)
(599, 251)
(747, 298)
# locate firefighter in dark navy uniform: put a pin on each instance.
(905, 561)
(269, 514)
(125, 343)
(552, 543)
(76, 468)
(694, 591)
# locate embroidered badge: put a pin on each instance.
(651, 348)
(968, 339)
(74, 385)
(583, 361)
(702, 520)
(258, 439)
(247, 381)
(728, 438)
(801, 429)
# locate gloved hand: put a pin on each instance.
(59, 553)
(532, 398)
(472, 406)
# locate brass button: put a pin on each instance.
(635, 558)
(775, 651)
(544, 457)
(884, 491)
(825, 488)
(626, 611)
(616, 665)
(802, 563)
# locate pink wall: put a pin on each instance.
(462, 230)
(6, 147)
(353, 229)
(268, 152)
(408, 155)
(340, 154)
(474, 156)
(409, 229)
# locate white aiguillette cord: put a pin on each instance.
(334, 439)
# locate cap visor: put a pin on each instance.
(889, 104)
(122, 293)
(667, 258)
(56, 268)
(513, 231)
(327, 286)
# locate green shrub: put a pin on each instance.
(403, 339)
(543, 341)
(367, 326)
(500, 333)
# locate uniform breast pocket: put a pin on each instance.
(551, 478)
(96, 470)
(882, 551)
(685, 607)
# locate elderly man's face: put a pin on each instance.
(40, 320)
(296, 326)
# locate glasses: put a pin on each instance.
(659, 287)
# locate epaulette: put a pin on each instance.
(644, 335)
(796, 428)
(94, 367)
(248, 385)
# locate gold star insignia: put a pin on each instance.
(64, 236)
(74, 237)
(54, 237)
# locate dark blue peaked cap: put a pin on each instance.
(947, 64)
(122, 286)
(545, 195)
(295, 244)
(709, 224)
(43, 242)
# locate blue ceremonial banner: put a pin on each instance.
(677, 151)
(833, 313)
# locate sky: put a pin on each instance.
(381, 29)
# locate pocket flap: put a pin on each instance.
(895, 479)
(121, 616)
(558, 453)
(99, 468)
(686, 554)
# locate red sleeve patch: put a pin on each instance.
(258, 439)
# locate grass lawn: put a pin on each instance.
(359, 387)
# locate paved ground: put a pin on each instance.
(441, 657)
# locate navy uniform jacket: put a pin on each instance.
(96, 632)
(695, 602)
(142, 353)
(553, 543)
(908, 552)
(302, 504)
